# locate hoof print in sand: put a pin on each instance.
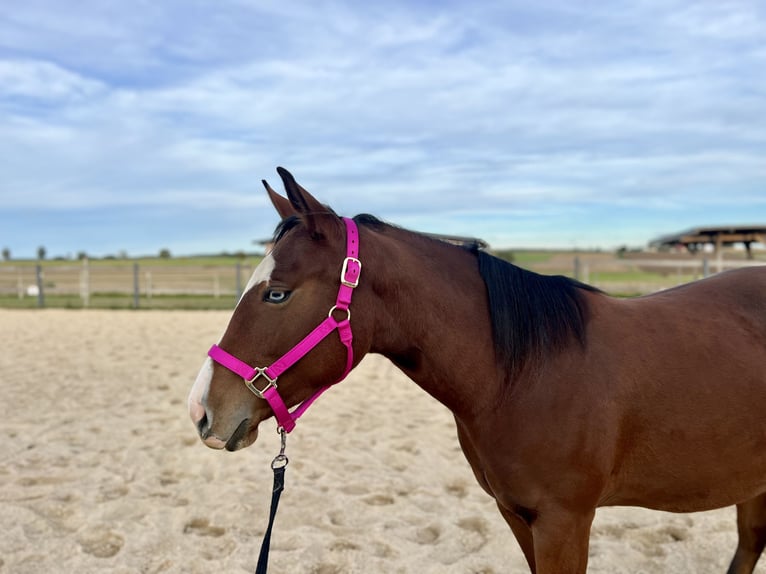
(379, 500)
(202, 527)
(428, 535)
(474, 535)
(100, 542)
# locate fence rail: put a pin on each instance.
(637, 276)
(122, 284)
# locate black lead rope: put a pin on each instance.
(278, 465)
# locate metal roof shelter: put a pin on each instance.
(696, 238)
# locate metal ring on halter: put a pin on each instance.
(335, 308)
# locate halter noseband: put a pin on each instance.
(349, 279)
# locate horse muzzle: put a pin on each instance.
(244, 435)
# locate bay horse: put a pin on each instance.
(565, 398)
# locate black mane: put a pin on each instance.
(532, 315)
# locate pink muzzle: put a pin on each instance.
(349, 279)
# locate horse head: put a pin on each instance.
(293, 289)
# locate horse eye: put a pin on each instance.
(276, 296)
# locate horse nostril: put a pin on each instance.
(203, 427)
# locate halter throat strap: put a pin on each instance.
(349, 280)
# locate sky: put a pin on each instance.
(130, 127)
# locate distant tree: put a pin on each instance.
(6, 254)
(122, 254)
(81, 255)
(41, 253)
(164, 253)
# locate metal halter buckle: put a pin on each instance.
(355, 283)
(260, 372)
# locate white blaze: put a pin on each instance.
(199, 390)
(262, 274)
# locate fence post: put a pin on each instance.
(706, 267)
(85, 283)
(40, 294)
(577, 268)
(136, 292)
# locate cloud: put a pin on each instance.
(423, 113)
(38, 81)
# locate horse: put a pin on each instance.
(565, 399)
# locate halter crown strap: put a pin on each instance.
(349, 280)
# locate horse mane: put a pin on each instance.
(532, 315)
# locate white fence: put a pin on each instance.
(127, 280)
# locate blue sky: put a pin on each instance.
(136, 126)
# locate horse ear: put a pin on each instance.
(282, 205)
(319, 219)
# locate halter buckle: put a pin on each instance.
(260, 372)
(344, 271)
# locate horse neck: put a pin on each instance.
(432, 317)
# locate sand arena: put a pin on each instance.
(101, 470)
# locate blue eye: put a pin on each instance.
(276, 296)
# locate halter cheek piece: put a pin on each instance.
(349, 280)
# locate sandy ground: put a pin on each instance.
(101, 470)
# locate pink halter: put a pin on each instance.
(349, 279)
